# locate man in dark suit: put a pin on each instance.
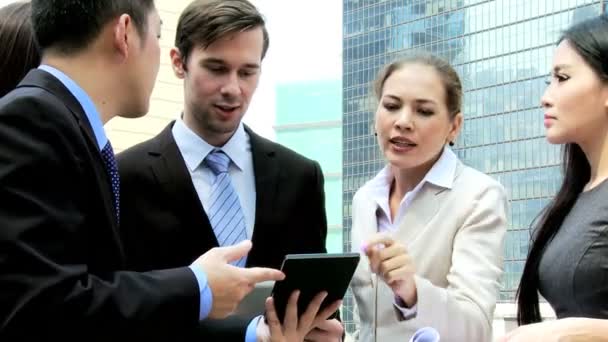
(179, 203)
(62, 261)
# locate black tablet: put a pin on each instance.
(311, 274)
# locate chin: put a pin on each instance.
(556, 139)
(136, 111)
(404, 163)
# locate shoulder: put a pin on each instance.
(475, 182)
(36, 111)
(136, 151)
(139, 154)
(153, 146)
(477, 191)
(36, 102)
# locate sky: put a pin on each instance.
(305, 44)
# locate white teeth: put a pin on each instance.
(226, 108)
(402, 143)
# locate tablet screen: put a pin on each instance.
(311, 274)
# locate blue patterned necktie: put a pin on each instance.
(107, 154)
(225, 213)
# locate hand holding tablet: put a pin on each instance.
(312, 274)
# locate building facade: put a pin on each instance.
(502, 50)
(308, 120)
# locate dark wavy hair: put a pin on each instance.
(589, 39)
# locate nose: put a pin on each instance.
(231, 88)
(546, 100)
(405, 120)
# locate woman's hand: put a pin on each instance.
(389, 259)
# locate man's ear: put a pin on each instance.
(177, 63)
(121, 37)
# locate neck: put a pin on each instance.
(91, 74)
(406, 179)
(596, 151)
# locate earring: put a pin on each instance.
(451, 143)
(375, 134)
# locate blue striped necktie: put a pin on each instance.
(225, 213)
(107, 154)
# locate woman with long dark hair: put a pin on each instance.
(19, 52)
(568, 258)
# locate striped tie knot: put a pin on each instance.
(217, 161)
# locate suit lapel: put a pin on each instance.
(171, 172)
(266, 172)
(367, 225)
(423, 208)
(42, 79)
(368, 222)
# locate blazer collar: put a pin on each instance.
(267, 178)
(172, 173)
(173, 176)
(422, 209)
(42, 79)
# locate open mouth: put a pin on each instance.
(227, 109)
(402, 142)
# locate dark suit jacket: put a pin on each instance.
(164, 223)
(61, 256)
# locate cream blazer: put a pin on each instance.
(455, 237)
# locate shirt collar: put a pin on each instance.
(85, 102)
(440, 174)
(195, 149)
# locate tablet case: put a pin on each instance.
(311, 274)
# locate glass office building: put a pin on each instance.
(502, 50)
(308, 120)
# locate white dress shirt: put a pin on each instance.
(194, 150)
(440, 174)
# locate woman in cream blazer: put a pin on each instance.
(429, 228)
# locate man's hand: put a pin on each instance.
(296, 329)
(230, 284)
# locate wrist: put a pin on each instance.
(262, 332)
(408, 294)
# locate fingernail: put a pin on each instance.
(363, 247)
